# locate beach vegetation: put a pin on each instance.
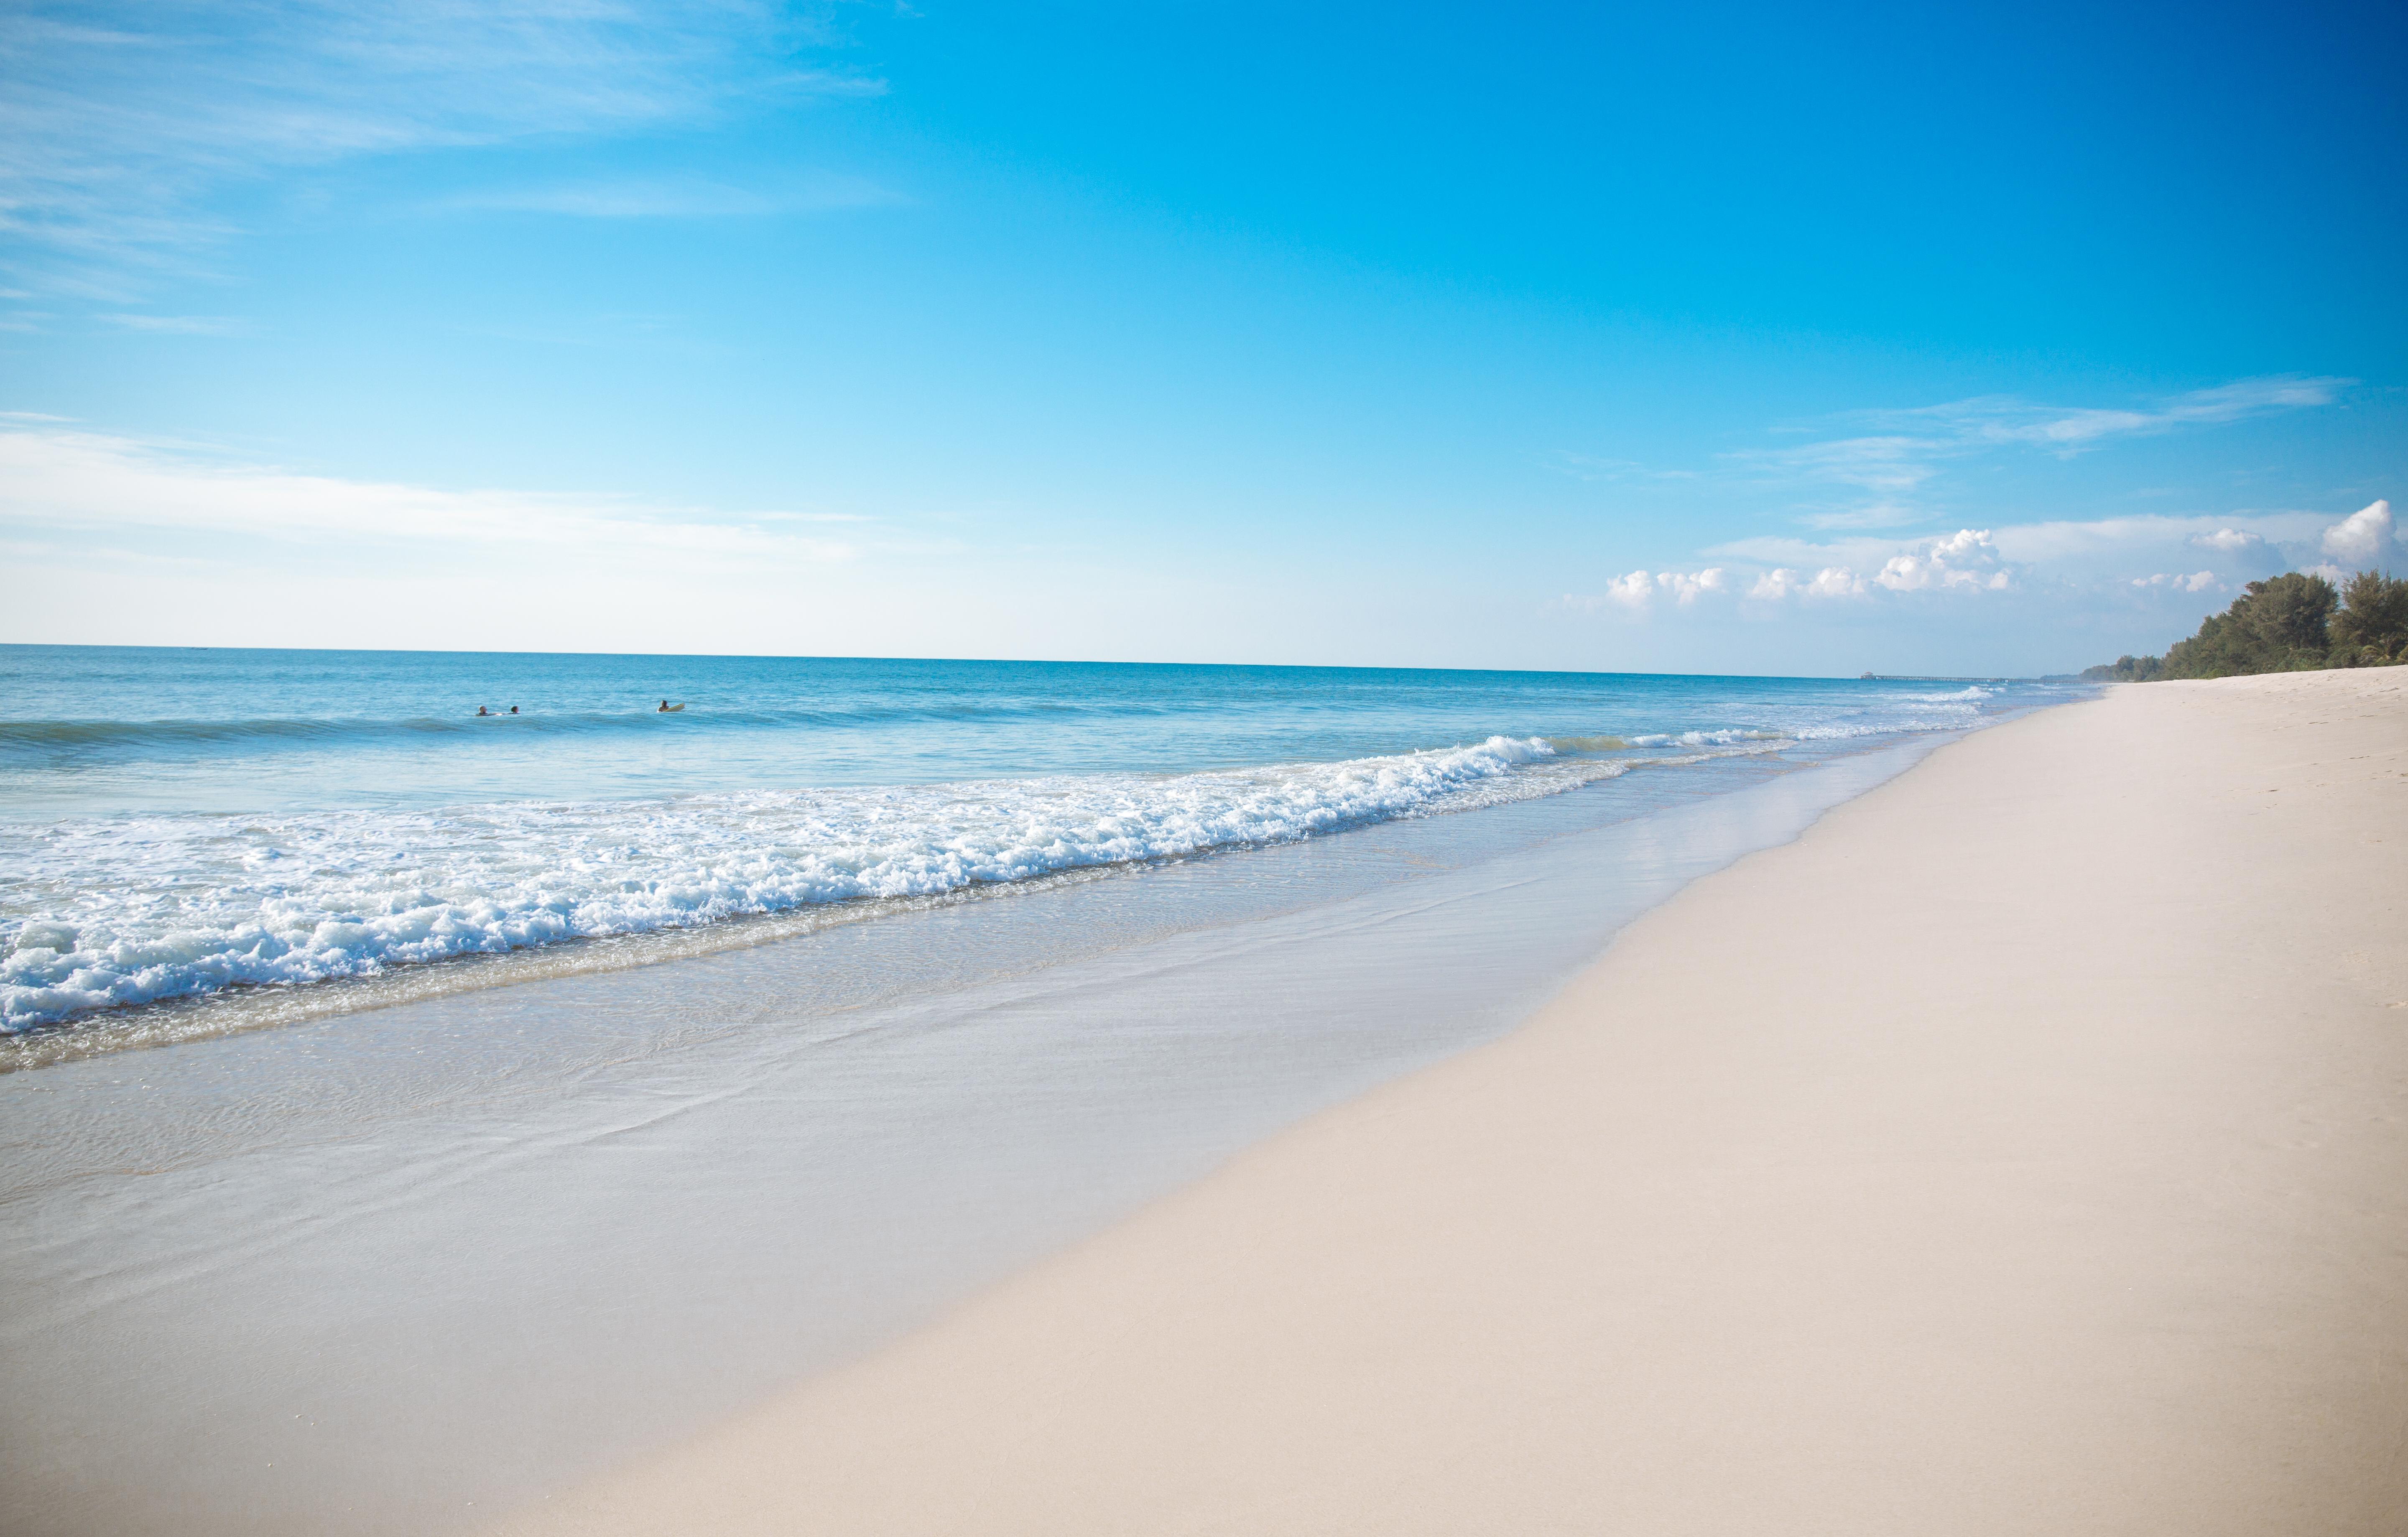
(2297, 621)
(2374, 615)
(2127, 668)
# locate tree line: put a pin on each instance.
(2293, 622)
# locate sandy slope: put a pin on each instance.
(2024, 1150)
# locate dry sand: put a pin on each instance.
(2024, 1150)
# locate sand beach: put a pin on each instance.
(909, 771)
(2023, 1149)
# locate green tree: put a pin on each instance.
(2276, 625)
(2374, 619)
(2291, 622)
(2126, 669)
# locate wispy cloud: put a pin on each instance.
(123, 119)
(57, 483)
(181, 325)
(1587, 466)
(682, 199)
(2005, 419)
(1907, 449)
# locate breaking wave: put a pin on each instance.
(152, 907)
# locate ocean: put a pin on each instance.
(194, 843)
(540, 1090)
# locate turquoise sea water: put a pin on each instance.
(176, 823)
(851, 989)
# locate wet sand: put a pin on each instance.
(2023, 1149)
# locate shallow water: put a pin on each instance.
(528, 1094)
(284, 835)
(385, 1272)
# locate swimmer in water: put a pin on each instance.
(514, 710)
(665, 707)
(482, 710)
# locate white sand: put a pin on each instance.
(2024, 1150)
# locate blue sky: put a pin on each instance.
(1945, 340)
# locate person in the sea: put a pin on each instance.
(664, 707)
(482, 710)
(514, 710)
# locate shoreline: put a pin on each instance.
(2021, 1148)
(371, 1273)
(239, 1007)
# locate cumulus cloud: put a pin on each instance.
(2106, 553)
(2172, 560)
(2230, 542)
(1631, 590)
(1967, 560)
(2362, 539)
(1688, 588)
(1782, 582)
(1635, 592)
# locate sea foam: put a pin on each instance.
(132, 909)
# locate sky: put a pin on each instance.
(1963, 340)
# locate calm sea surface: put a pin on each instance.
(182, 826)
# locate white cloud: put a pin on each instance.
(1687, 588)
(2362, 539)
(1913, 446)
(1632, 591)
(1967, 560)
(2160, 541)
(182, 325)
(122, 119)
(2155, 554)
(1782, 584)
(63, 488)
(2005, 419)
(684, 199)
(1891, 462)
(1635, 592)
(2230, 542)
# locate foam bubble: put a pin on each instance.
(137, 908)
